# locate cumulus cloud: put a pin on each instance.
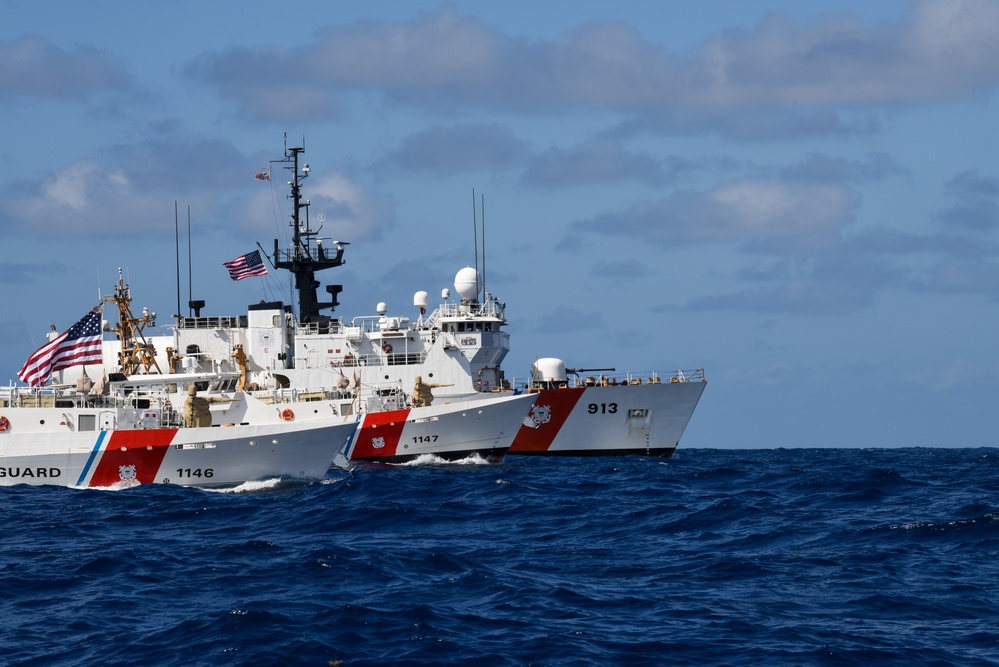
(82, 198)
(33, 67)
(976, 215)
(599, 161)
(752, 125)
(125, 188)
(884, 241)
(621, 271)
(976, 209)
(340, 209)
(738, 211)
(834, 283)
(128, 190)
(23, 273)
(438, 61)
(961, 275)
(848, 273)
(445, 150)
(565, 319)
(448, 61)
(973, 182)
(822, 168)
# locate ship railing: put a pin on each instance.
(62, 396)
(58, 396)
(303, 394)
(235, 322)
(367, 323)
(491, 308)
(405, 358)
(351, 360)
(612, 380)
(319, 328)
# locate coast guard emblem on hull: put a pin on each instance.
(378, 443)
(127, 474)
(539, 414)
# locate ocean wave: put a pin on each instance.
(711, 558)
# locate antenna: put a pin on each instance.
(483, 196)
(176, 244)
(190, 266)
(475, 237)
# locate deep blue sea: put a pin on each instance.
(714, 557)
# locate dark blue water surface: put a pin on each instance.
(716, 557)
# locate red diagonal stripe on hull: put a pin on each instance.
(559, 404)
(385, 425)
(143, 449)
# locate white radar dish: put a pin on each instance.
(466, 283)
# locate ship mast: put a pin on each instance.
(307, 254)
(135, 351)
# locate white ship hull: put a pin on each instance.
(45, 446)
(483, 427)
(609, 420)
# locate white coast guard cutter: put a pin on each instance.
(132, 434)
(369, 363)
(125, 432)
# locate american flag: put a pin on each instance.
(81, 344)
(246, 265)
(262, 176)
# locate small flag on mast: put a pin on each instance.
(79, 345)
(246, 265)
(263, 175)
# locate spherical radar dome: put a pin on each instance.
(466, 282)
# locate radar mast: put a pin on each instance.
(307, 254)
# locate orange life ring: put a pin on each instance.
(287, 414)
(386, 348)
(4, 424)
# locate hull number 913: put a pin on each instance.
(602, 408)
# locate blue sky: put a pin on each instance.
(802, 198)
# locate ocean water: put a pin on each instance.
(715, 557)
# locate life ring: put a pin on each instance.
(287, 414)
(386, 348)
(4, 424)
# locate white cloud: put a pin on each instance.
(744, 210)
(70, 187)
(343, 209)
(447, 61)
(590, 163)
(32, 67)
(445, 150)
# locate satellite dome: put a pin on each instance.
(466, 283)
(381, 308)
(421, 299)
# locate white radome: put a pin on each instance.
(466, 283)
